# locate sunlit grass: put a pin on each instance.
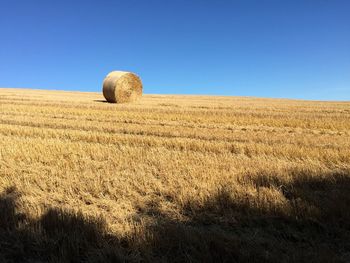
(173, 178)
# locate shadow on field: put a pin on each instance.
(103, 101)
(222, 229)
(57, 236)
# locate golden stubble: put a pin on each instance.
(172, 154)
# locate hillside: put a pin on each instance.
(173, 178)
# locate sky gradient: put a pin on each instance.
(289, 48)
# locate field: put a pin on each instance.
(173, 178)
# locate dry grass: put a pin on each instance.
(173, 178)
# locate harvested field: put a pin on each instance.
(173, 178)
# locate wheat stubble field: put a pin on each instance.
(173, 178)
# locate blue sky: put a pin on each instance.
(264, 48)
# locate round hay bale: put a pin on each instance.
(122, 87)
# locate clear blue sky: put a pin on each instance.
(276, 48)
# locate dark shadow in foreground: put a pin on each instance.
(317, 229)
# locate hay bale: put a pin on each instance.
(122, 87)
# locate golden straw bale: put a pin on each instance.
(122, 87)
